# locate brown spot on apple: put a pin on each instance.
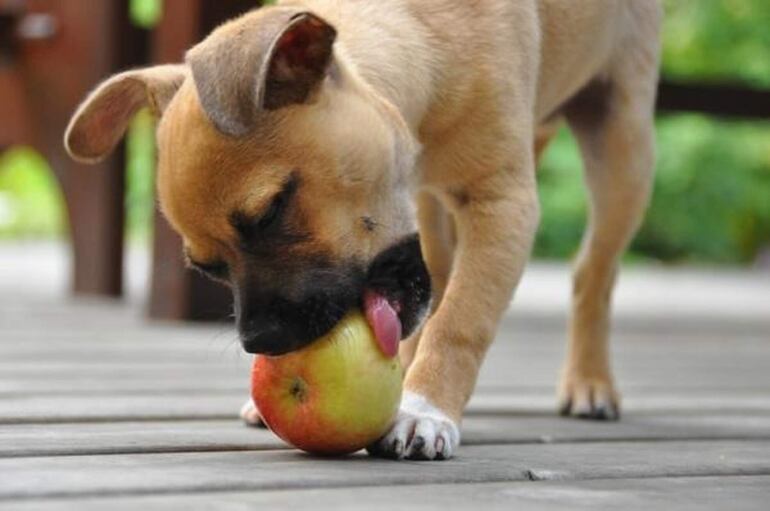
(298, 389)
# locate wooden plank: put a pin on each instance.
(134, 334)
(170, 288)
(191, 436)
(688, 364)
(175, 291)
(97, 386)
(741, 493)
(73, 476)
(113, 353)
(49, 378)
(125, 335)
(689, 370)
(677, 402)
(19, 410)
(140, 379)
(91, 41)
(207, 404)
(133, 438)
(136, 370)
(517, 326)
(15, 128)
(57, 378)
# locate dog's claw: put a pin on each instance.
(418, 448)
(420, 432)
(440, 444)
(593, 399)
(398, 448)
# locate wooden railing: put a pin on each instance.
(723, 100)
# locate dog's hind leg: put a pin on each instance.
(613, 123)
(437, 237)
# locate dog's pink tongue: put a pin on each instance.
(384, 322)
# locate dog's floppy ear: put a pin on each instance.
(102, 119)
(266, 60)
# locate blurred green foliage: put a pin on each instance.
(717, 40)
(145, 13)
(31, 204)
(140, 178)
(711, 200)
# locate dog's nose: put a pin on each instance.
(263, 339)
(269, 323)
(270, 338)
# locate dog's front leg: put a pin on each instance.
(496, 215)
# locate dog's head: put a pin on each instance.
(286, 176)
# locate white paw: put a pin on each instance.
(250, 415)
(421, 432)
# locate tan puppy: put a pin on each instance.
(295, 142)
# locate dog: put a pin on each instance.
(303, 147)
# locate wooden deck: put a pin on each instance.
(100, 409)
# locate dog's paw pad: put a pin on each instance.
(250, 415)
(589, 399)
(421, 432)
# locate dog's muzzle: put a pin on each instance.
(270, 323)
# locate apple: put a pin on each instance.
(333, 397)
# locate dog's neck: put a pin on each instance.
(383, 44)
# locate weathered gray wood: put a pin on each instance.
(201, 403)
(82, 382)
(224, 435)
(647, 298)
(133, 437)
(96, 386)
(196, 379)
(90, 334)
(516, 360)
(143, 362)
(659, 402)
(200, 472)
(740, 493)
(116, 407)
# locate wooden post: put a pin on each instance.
(15, 127)
(67, 47)
(176, 292)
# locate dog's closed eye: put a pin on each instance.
(253, 228)
(273, 212)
